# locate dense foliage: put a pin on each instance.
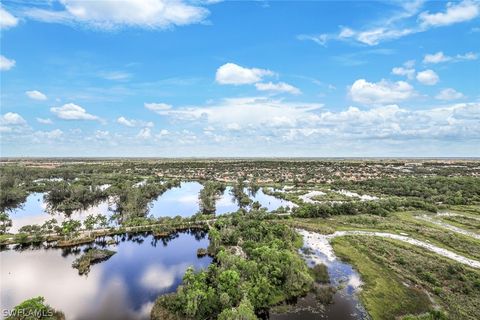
(381, 208)
(208, 196)
(257, 266)
(34, 308)
(449, 190)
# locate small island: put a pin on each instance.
(91, 257)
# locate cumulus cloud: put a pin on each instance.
(71, 111)
(12, 118)
(134, 123)
(144, 133)
(7, 20)
(383, 92)
(406, 70)
(261, 119)
(160, 108)
(114, 14)
(6, 64)
(428, 77)
(440, 57)
(44, 121)
(231, 73)
(467, 56)
(255, 112)
(280, 87)
(449, 94)
(36, 95)
(435, 58)
(53, 134)
(454, 13)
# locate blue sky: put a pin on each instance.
(244, 78)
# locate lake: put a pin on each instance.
(123, 287)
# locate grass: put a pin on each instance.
(466, 222)
(399, 222)
(384, 295)
(387, 265)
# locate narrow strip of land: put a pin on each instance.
(440, 251)
(449, 226)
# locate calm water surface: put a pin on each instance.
(179, 201)
(183, 201)
(123, 287)
(35, 211)
(270, 202)
(346, 305)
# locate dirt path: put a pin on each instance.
(448, 226)
(443, 252)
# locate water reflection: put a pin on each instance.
(268, 201)
(123, 287)
(179, 201)
(226, 203)
(345, 304)
(35, 211)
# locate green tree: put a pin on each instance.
(35, 308)
(70, 228)
(244, 311)
(5, 222)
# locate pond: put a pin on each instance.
(345, 304)
(178, 201)
(183, 201)
(35, 211)
(123, 287)
(270, 202)
(226, 203)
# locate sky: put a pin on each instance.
(206, 78)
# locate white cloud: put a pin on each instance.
(160, 108)
(449, 94)
(428, 77)
(12, 118)
(403, 22)
(382, 92)
(436, 58)
(231, 73)
(113, 14)
(36, 95)
(71, 111)
(277, 87)
(265, 120)
(7, 20)
(440, 57)
(401, 71)
(144, 133)
(54, 134)
(102, 134)
(407, 70)
(6, 64)
(467, 56)
(320, 39)
(44, 121)
(233, 126)
(375, 36)
(455, 13)
(134, 123)
(256, 112)
(162, 133)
